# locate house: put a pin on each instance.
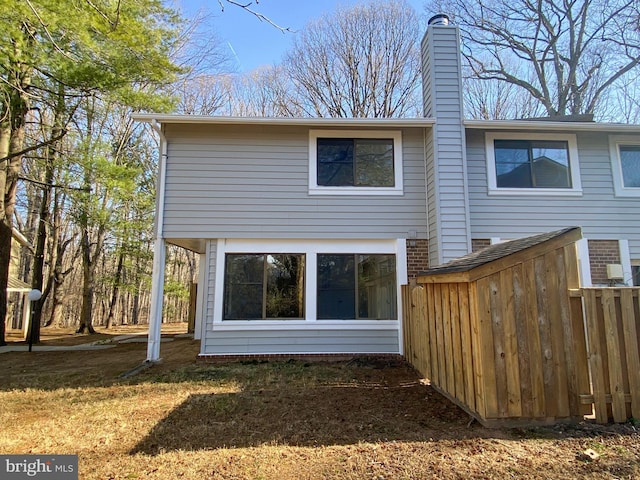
(307, 228)
(18, 304)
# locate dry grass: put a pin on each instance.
(58, 336)
(278, 420)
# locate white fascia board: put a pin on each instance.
(310, 122)
(548, 125)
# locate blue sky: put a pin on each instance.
(253, 43)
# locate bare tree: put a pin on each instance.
(360, 61)
(202, 95)
(565, 54)
(264, 92)
(497, 100)
(623, 103)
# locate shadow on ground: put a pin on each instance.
(330, 415)
(50, 370)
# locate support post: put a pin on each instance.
(157, 296)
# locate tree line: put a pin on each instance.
(77, 176)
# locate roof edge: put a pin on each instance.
(285, 121)
(550, 125)
(501, 251)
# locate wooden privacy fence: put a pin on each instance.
(505, 334)
(612, 316)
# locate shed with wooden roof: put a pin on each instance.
(493, 331)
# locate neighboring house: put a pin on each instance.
(307, 228)
(17, 290)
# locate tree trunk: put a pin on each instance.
(5, 257)
(38, 260)
(45, 214)
(5, 228)
(87, 286)
(116, 285)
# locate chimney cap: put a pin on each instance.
(439, 19)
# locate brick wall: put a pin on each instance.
(479, 243)
(417, 257)
(602, 253)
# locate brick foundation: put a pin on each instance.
(417, 257)
(390, 358)
(602, 253)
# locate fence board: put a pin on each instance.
(487, 349)
(407, 344)
(477, 349)
(512, 365)
(595, 357)
(554, 264)
(497, 324)
(449, 384)
(563, 265)
(575, 335)
(456, 339)
(442, 366)
(422, 332)
(631, 347)
(431, 315)
(468, 363)
(536, 355)
(522, 341)
(548, 372)
(616, 380)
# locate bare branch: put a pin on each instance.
(34, 147)
(258, 15)
(46, 30)
(52, 185)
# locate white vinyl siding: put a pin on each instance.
(296, 341)
(598, 211)
(252, 182)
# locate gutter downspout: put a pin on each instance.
(159, 256)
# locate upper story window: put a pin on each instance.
(625, 158)
(537, 164)
(355, 162)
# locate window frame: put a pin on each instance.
(356, 284)
(310, 248)
(635, 273)
(395, 135)
(264, 285)
(615, 141)
(574, 164)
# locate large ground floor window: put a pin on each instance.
(356, 286)
(319, 282)
(262, 286)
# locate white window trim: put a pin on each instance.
(574, 164)
(616, 165)
(310, 248)
(315, 189)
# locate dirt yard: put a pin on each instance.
(277, 420)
